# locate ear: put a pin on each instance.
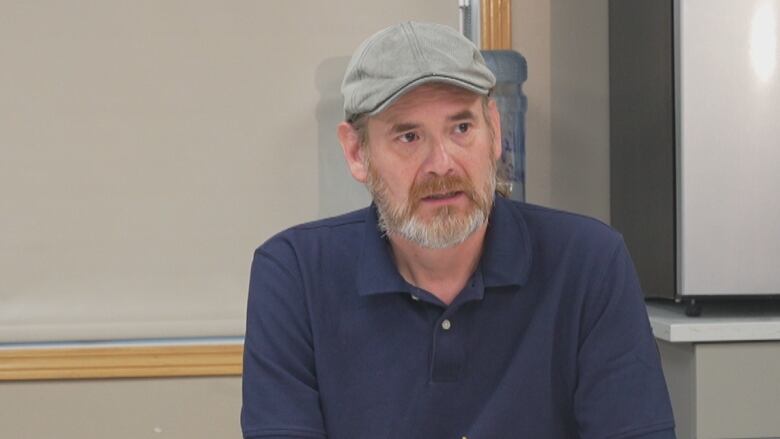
(495, 120)
(353, 152)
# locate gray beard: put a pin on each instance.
(442, 232)
(445, 229)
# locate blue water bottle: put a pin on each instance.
(511, 72)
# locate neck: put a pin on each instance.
(443, 272)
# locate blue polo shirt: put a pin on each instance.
(548, 339)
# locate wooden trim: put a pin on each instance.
(120, 362)
(496, 24)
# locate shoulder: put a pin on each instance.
(316, 237)
(560, 242)
(336, 222)
(553, 225)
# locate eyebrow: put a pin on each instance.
(403, 127)
(465, 114)
(407, 126)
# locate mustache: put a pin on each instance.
(441, 185)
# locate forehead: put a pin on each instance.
(424, 96)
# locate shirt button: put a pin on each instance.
(415, 297)
(446, 324)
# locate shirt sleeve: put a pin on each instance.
(621, 391)
(280, 395)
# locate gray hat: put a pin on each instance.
(397, 59)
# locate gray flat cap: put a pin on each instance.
(395, 60)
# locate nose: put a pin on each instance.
(440, 160)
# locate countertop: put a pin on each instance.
(719, 321)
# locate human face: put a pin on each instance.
(431, 165)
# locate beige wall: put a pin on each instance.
(723, 390)
(146, 148)
(566, 45)
(567, 140)
(172, 126)
(181, 408)
(531, 37)
(579, 68)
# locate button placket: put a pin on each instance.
(448, 354)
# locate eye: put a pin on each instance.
(409, 137)
(462, 128)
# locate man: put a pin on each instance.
(444, 311)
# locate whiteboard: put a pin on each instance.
(148, 147)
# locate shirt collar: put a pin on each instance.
(377, 272)
(506, 256)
